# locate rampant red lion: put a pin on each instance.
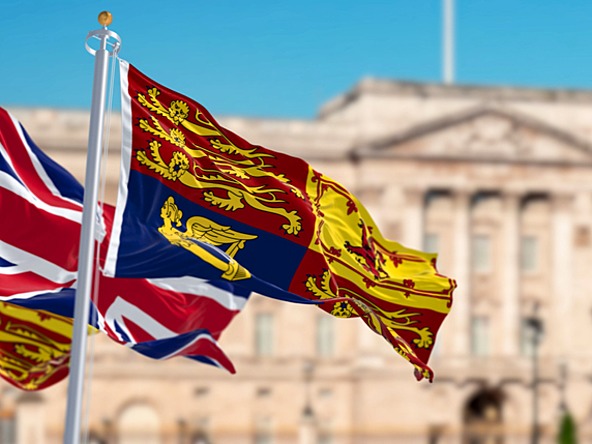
(366, 254)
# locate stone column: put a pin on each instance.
(562, 253)
(510, 272)
(462, 260)
(413, 223)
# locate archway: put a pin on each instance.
(483, 419)
(138, 424)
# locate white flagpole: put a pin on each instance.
(448, 42)
(89, 226)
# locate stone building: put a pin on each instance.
(497, 180)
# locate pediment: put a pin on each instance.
(484, 134)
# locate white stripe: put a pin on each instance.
(11, 184)
(197, 338)
(29, 294)
(100, 319)
(38, 166)
(6, 157)
(30, 262)
(121, 309)
(201, 287)
(12, 269)
(216, 363)
(126, 152)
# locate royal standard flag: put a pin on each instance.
(34, 347)
(197, 200)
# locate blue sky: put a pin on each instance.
(284, 59)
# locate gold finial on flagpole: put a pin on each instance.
(105, 18)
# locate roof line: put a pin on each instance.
(450, 120)
(371, 85)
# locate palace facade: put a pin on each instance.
(497, 180)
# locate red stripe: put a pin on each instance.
(13, 284)
(39, 232)
(176, 311)
(23, 165)
(179, 312)
(209, 349)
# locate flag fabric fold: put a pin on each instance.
(41, 206)
(197, 200)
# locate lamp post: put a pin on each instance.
(562, 384)
(535, 324)
(307, 428)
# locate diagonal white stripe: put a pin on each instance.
(38, 166)
(201, 287)
(197, 338)
(121, 309)
(30, 262)
(12, 269)
(29, 294)
(11, 184)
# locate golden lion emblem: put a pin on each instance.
(226, 181)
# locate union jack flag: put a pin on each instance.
(41, 205)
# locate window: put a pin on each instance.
(435, 433)
(324, 438)
(200, 438)
(582, 236)
(264, 334)
(139, 423)
(93, 438)
(325, 336)
(263, 431)
(7, 428)
(430, 242)
(263, 392)
(201, 435)
(481, 253)
(263, 438)
(480, 336)
(201, 392)
(529, 253)
(324, 435)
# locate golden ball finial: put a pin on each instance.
(105, 18)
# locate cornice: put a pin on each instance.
(379, 147)
(502, 93)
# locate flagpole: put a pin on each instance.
(448, 42)
(89, 225)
